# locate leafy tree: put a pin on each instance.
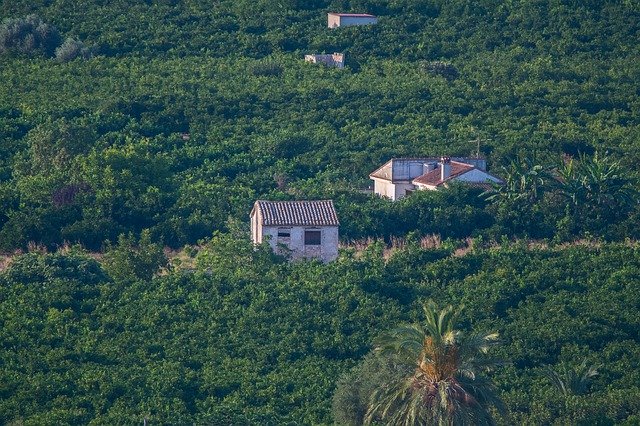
(446, 385)
(595, 181)
(184, 121)
(354, 388)
(267, 68)
(54, 144)
(441, 68)
(243, 336)
(28, 36)
(129, 260)
(71, 49)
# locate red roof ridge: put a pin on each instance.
(293, 201)
(432, 178)
(362, 15)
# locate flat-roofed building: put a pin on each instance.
(335, 20)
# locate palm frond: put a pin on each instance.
(406, 342)
(572, 381)
(446, 385)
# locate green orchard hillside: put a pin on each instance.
(93, 147)
(131, 126)
(245, 338)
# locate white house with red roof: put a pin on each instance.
(399, 177)
(300, 229)
(335, 20)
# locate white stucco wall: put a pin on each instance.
(256, 220)
(476, 175)
(402, 188)
(384, 188)
(326, 251)
(407, 169)
(393, 191)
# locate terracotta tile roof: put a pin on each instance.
(291, 213)
(353, 15)
(432, 178)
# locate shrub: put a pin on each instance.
(71, 49)
(441, 68)
(266, 69)
(28, 36)
(131, 261)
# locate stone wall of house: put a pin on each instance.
(333, 60)
(291, 240)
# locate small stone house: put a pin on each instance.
(302, 229)
(399, 177)
(335, 20)
(333, 60)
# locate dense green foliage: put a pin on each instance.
(248, 338)
(183, 113)
(190, 111)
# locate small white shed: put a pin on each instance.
(335, 20)
(303, 229)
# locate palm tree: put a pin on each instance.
(599, 192)
(597, 180)
(445, 386)
(522, 180)
(572, 381)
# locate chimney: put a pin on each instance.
(427, 167)
(445, 168)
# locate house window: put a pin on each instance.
(312, 238)
(284, 234)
